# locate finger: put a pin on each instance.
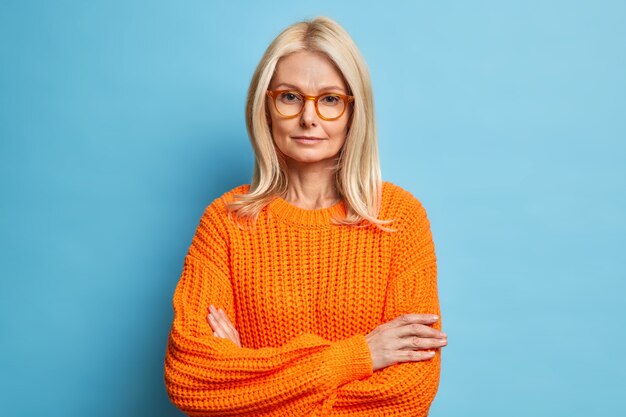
(217, 326)
(220, 313)
(212, 321)
(224, 327)
(411, 318)
(421, 330)
(219, 316)
(227, 324)
(209, 318)
(423, 343)
(220, 327)
(415, 355)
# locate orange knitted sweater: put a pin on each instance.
(302, 293)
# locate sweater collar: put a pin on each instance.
(286, 211)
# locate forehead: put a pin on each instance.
(308, 70)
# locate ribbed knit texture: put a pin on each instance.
(302, 293)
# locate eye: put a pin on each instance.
(290, 97)
(330, 100)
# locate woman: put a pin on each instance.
(295, 299)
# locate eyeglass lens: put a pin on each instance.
(289, 103)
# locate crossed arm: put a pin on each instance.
(210, 376)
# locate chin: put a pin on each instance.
(310, 159)
(302, 155)
(307, 160)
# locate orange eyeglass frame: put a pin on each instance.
(346, 100)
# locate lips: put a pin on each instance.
(309, 138)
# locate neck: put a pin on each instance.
(311, 186)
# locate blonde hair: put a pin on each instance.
(357, 173)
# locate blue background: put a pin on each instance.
(121, 120)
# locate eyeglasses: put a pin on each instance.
(290, 103)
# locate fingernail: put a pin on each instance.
(435, 317)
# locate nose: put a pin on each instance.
(308, 117)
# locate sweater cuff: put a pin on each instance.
(349, 360)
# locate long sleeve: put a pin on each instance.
(210, 376)
(404, 389)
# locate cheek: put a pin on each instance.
(339, 130)
(281, 130)
(278, 128)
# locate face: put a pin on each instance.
(307, 138)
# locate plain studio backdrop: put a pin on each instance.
(120, 121)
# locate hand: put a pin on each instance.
(222, 327)
(407, 338)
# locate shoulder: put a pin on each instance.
(230, 194)
(402, 206)
(215, 214)
(397, 200)
(219, 203)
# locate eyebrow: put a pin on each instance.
(331, 87)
